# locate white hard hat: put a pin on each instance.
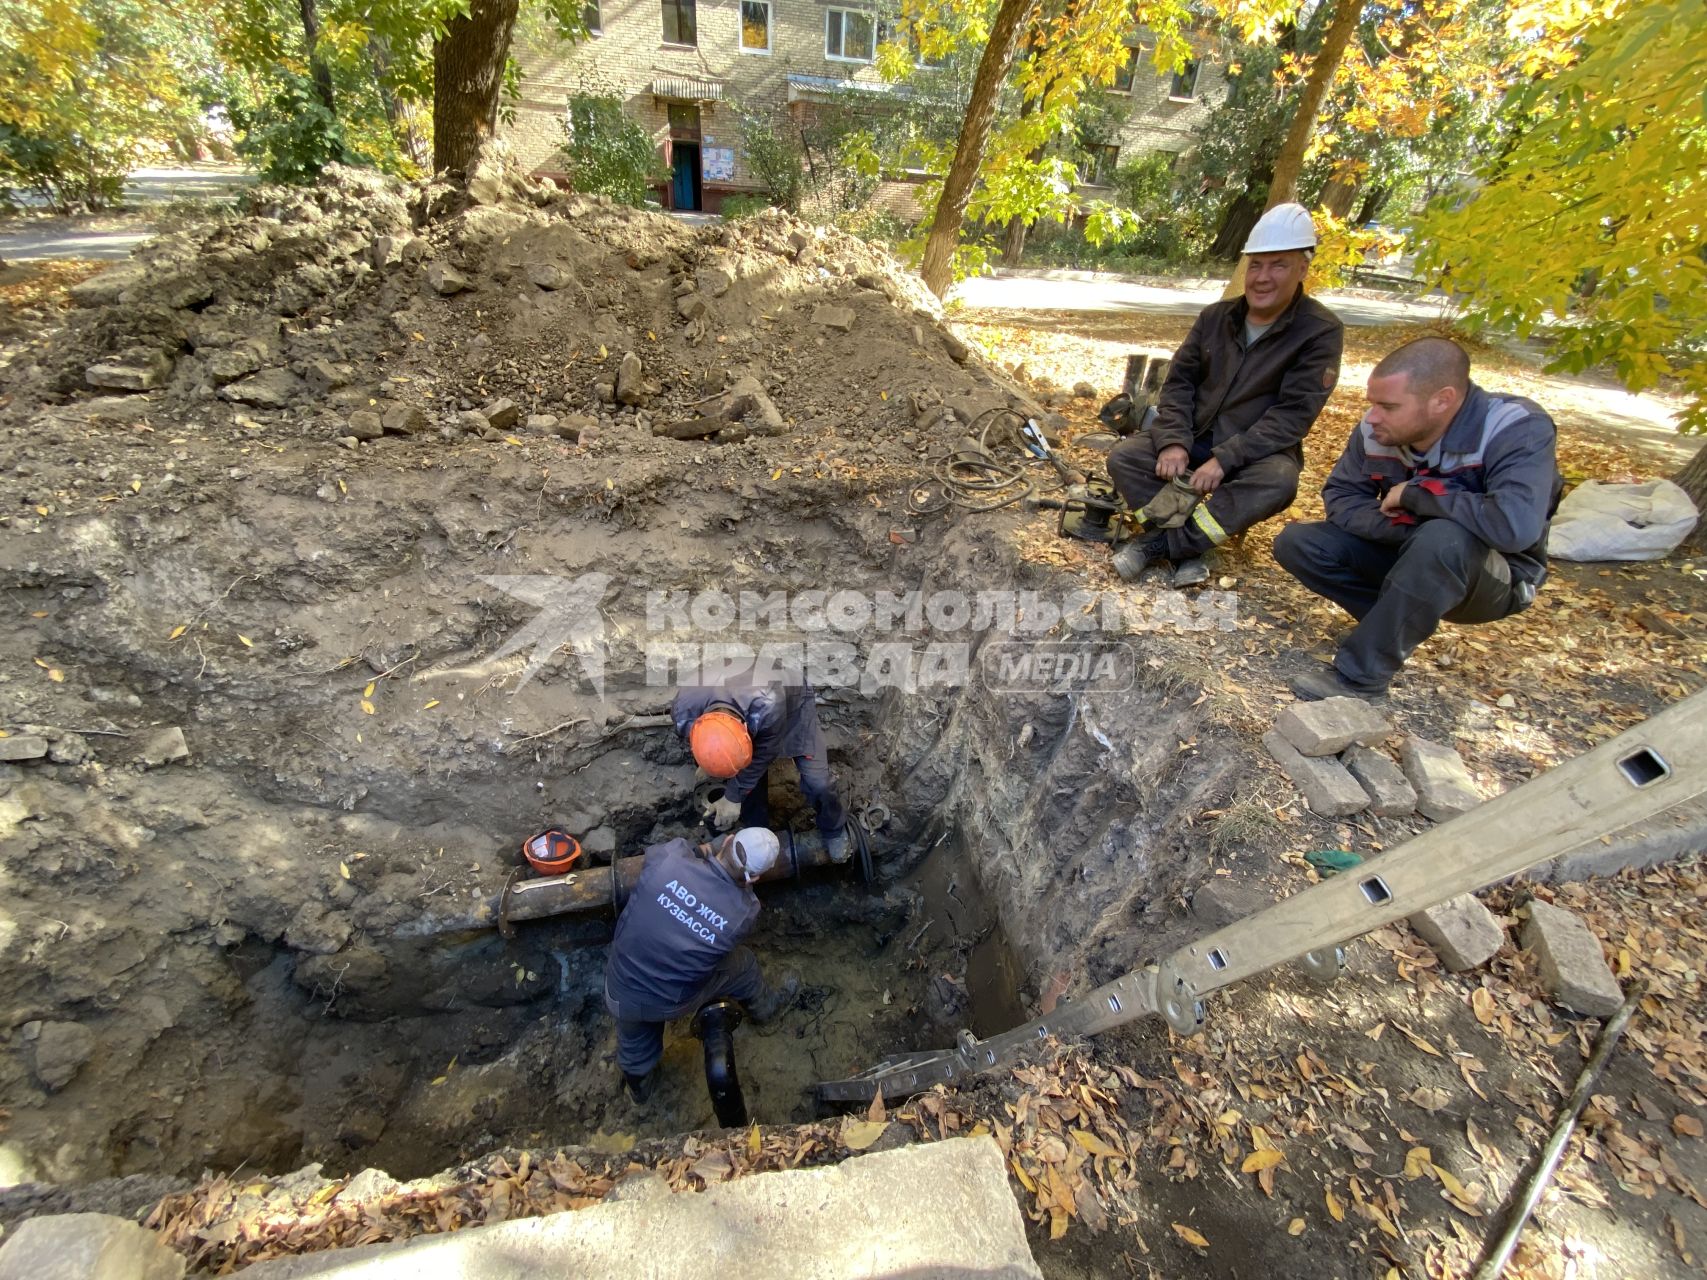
(756, 850)
(1286, 226)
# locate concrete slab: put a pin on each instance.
(940, 1209)
(86, 1246)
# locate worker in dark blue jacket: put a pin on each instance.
(678, 946)
(1437, 511)
(738, 730)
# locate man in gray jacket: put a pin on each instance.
(1243, 391)
(1437, 511)
(678, 945)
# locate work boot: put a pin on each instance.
(773, 1000)
(1191, 573)
(1138, 555)
(1327, 682)
(837, 846)
(641, 1088)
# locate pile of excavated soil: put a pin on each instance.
(269, 492)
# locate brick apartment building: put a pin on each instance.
(679, 66)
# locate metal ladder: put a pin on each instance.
(1637, 775)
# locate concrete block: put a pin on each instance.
(938, 1209)
(1573, 966)
(86, 1246)
(1675, 834)
(1463, 933)
(1444, 786)
(1328, 787)
(1222, 900)
(1328, 727)
(27, 746)
(1390, 793)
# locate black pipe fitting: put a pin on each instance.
(714, 1025)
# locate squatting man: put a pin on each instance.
(1437, 511)
(678, 946)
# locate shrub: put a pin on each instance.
(609, 154)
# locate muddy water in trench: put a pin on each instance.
(883, 970)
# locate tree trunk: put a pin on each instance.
(468, 73)
(1347, 14)
(1693, 481)
(1236, 226)
(1013, 244)
(1338, 197)
(1284, 187)
(938, 266)
(402, 124)
(316, 64)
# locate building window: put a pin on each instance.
(755, 26)
(1184, 87)
(591, 18)
(849, 35)
(680, 26)
(1100, 171)
(1124, 78)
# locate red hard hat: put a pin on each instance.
(721, 744)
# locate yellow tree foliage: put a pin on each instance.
(82, 84)
(1594, 223)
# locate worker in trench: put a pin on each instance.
(1437, 511)
(1243, 391)
(738, 730)
(678, 946)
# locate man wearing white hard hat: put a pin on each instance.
(678, 946)
(1243, 391)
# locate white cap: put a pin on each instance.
(756, 850)
(1286, 226)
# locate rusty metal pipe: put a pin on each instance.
(596, 888)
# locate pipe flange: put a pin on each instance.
(707, 794)
(874, 816)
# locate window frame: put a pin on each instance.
(741, 44)
(1134, 55)
(1102, 153)
(868, 16)
(597, 26)
(1195, 67)
(692, 7)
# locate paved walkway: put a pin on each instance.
(109, 237)
(1061, 290)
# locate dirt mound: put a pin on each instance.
(275, 498)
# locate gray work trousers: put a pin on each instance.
(640, 1028)
(1400, 592)
(1261, 488)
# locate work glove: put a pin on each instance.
(725, 813)
(1170, 508)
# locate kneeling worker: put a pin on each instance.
(1243, 391)
(677, 946)
(737, 731)
(1437, 510)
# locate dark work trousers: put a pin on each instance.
(640, 1029)
(1261, 488)
(1398, 592)
(816, 785)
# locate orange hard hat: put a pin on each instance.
(721, 744)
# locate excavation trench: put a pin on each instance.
(269, 963)
(301, 695)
